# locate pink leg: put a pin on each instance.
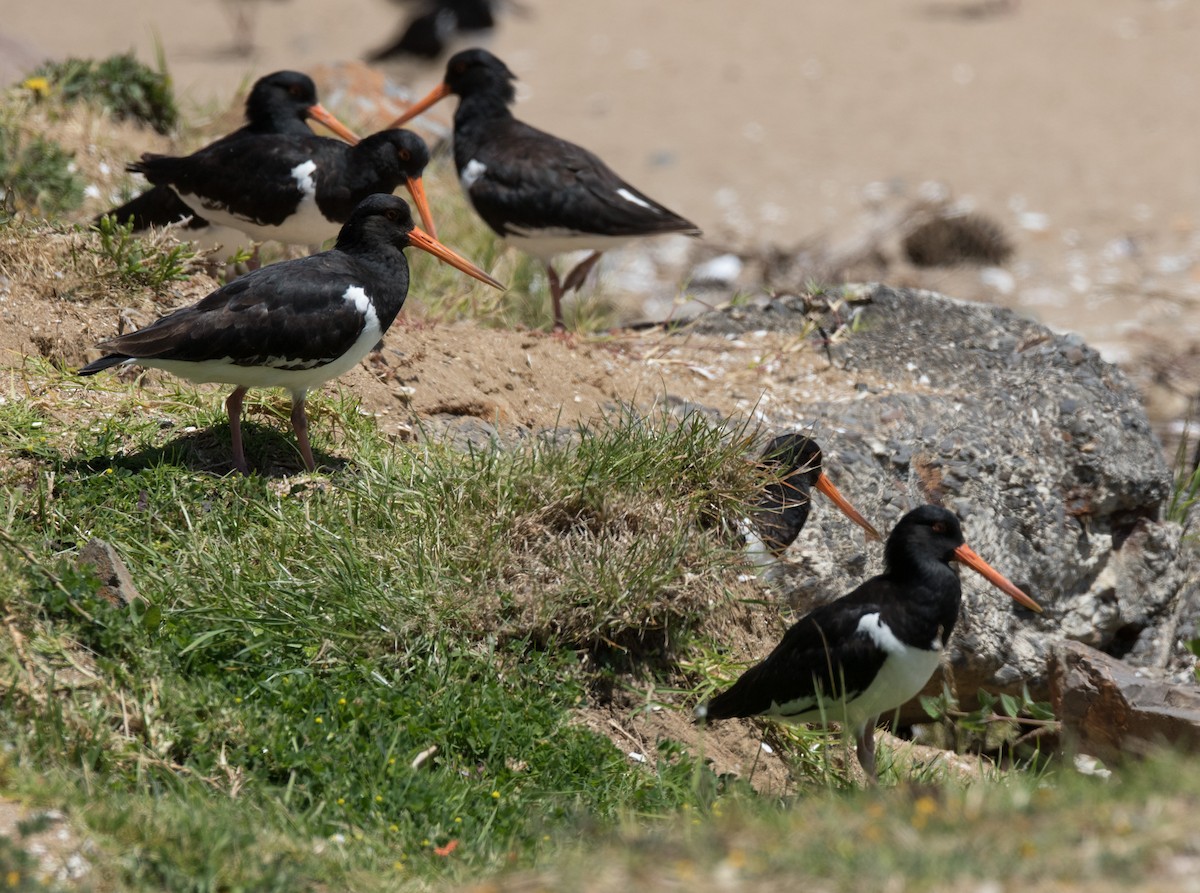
(576, 276)
(300, 426)
(556, 293)
(865, 748)
(233, 406)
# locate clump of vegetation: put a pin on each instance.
(946, 241)
(141, 262)
(36, 174)
(122, 84)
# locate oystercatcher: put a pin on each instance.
(294, 324)
(292, 188)
(867, 653)
(278, 104)
(794, 462)
(435, 25)
(542, 194)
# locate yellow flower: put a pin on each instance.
(318, 720)
(13, 878)
(40, 86)
(341, 801)
(379, 798)
(342, 702)
(393, 828)
(458, 820)
(495, 795)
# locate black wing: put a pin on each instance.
(823, 655)
(254, 178)
(290, 314)
(540, 181)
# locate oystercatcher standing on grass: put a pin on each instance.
(867, 653)
(542, 194)
(794, 461)
(279, 104)
(294, 324)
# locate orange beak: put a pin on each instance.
(320, 114)
(826, 486)
(967, 556)
(418, 238)
(417, 190)
(438, 93)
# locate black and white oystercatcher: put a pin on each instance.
(867, 653)
(794, 460)
(542, 194)
(294, 324)
(279, 104)
(295, 189)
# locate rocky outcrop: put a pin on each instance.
(1039, 445)
(1110, 710)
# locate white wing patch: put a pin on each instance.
(303, 175)
(880, 634)
(472, 172)
(356, 295)
(630, 197)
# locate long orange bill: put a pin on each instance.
(438, 93)
(825, 485)
(417, 190)
(319, 113)
(968, 556)
(418, 238)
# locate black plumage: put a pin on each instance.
(794, 463)
(543, 194)
(437, 23)
(279, 104)
(295, 324)
(295, 188)
(872, 650)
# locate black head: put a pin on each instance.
(929, 532)
(796, 455)
(933, 534)
(287, 94)
(381, 222)
(401, 150)
(478, 71)
(377, 220)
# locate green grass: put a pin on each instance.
(255, 719)
(121, 84)
(297, 644)
(35, 172)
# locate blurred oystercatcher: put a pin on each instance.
(279, 104)
(867, 653)
(435, 25)
(794, 461)
(294, 324)
(540, 193)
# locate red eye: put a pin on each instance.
(939, 527)
(405, 155)
(392, 215)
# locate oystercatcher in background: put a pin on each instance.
(435, 25)
(794, 462)
(542, 194)
(867, 653)
(280, 104)
(294, 324)
(292, 188)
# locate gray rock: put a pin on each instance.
(1040, 446)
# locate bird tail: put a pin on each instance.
(105, 362)
(157, 206)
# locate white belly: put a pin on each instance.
(545, 244)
